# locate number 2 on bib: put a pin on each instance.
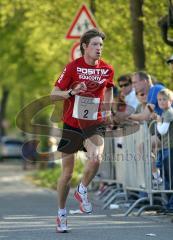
(85, 113)
(86, 107)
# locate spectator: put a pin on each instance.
(127, 91)
(165, 129)
(142, 82)
(142, 98)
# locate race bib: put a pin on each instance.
(86, 108)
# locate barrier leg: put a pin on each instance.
(107, 190)
(130, 193)
(162, 200)
(135, 204)
(148, 207)
(110, 194)
(119, 194)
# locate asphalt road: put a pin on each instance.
(28, 213)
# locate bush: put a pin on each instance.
(48, 177)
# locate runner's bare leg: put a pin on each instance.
(64, 180)
(94, 146)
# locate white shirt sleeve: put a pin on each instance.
(132, 100)
(162, 128)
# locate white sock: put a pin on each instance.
(82, 188)
(62, 211)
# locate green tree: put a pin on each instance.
(34, 49)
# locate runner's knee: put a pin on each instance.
(66, 176)
(95, 155)
(94, 150)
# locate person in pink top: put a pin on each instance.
(85, 85)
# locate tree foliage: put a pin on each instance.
(34, 49)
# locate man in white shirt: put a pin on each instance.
(127, 91)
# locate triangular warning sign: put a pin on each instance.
(82, 22)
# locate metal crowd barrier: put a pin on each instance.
(129, 164)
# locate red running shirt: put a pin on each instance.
(96, 78)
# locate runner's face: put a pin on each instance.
(94, 49)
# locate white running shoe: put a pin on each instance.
(85, 205)
(62, 224)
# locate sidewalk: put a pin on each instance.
(28, 212)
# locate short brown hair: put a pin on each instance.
(85, 38)
(124, 78)
(143, 76)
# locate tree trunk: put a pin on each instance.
(93, 6)
(3, 105)
(137, 31)
(165, 23)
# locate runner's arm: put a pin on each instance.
(58, 94)
(108, 100)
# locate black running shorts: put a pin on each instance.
(73, 138)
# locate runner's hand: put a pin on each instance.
(79, 88)
(108, 118)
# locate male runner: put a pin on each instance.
(84, 85)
